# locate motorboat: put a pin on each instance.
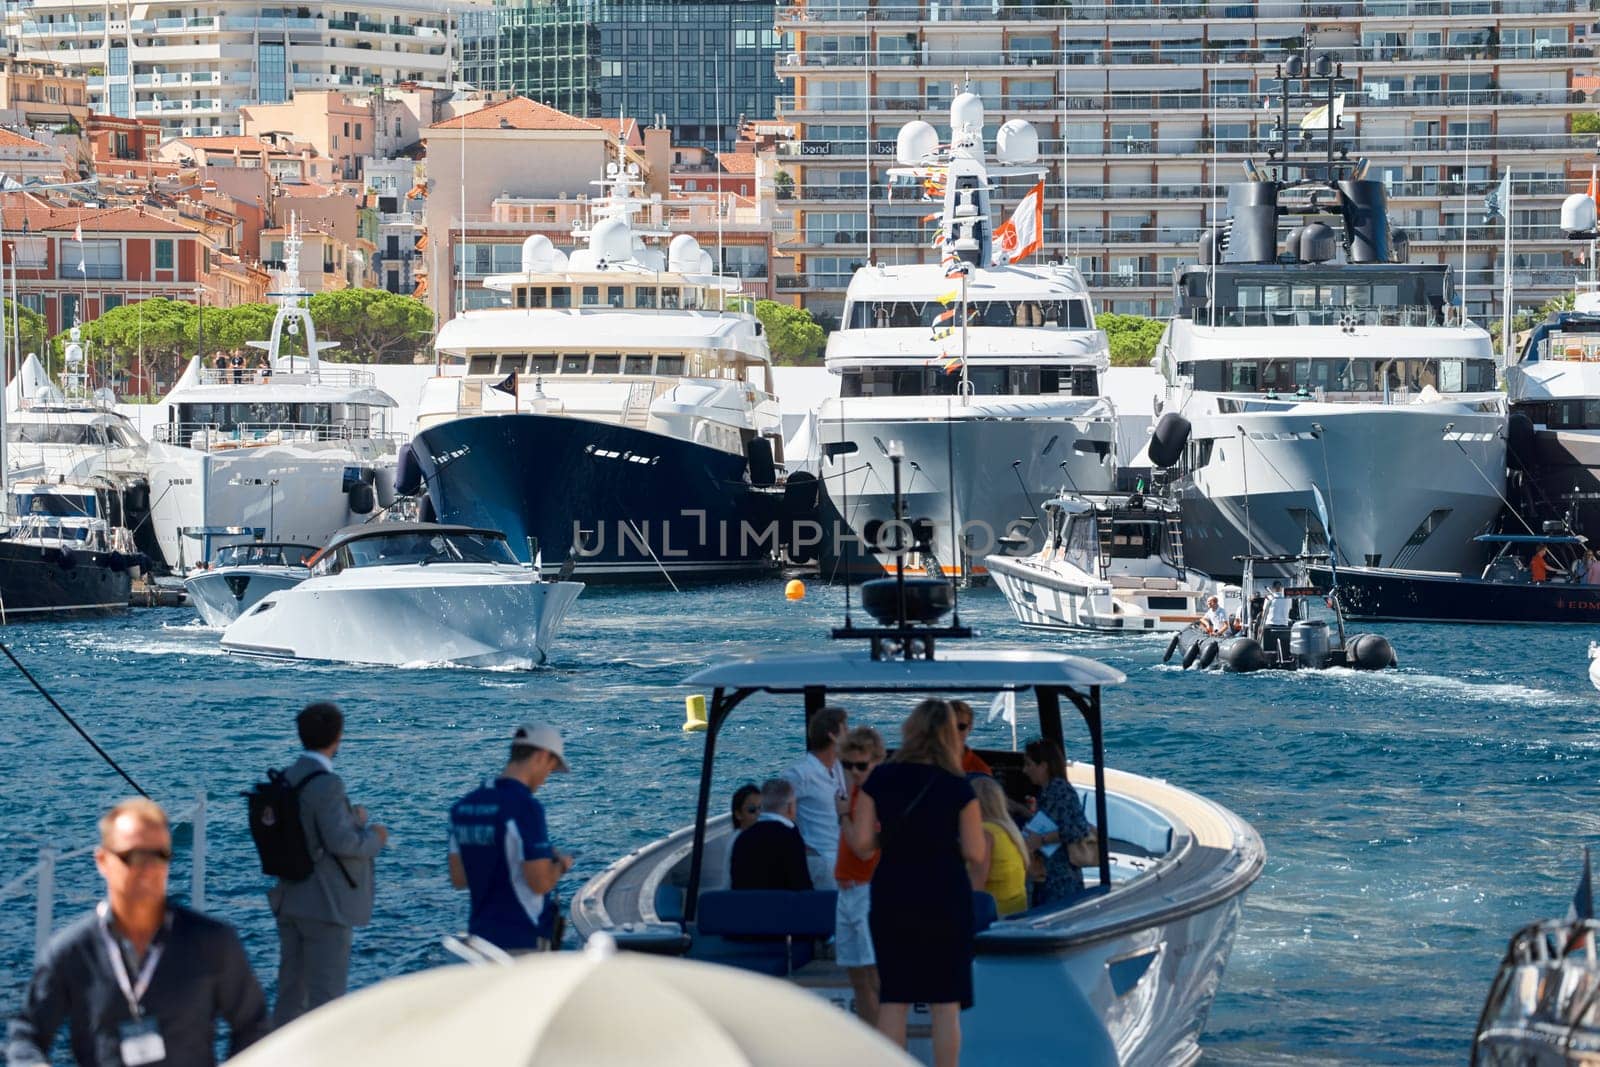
(1126, 973)
(1554, 431)
(415, 593)
(1110, 562)
(240, 575)
(59, 554)
(642, 381)
(292, 450)
(1322, 358)
(1504, 592)
(981, 369)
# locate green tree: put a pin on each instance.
(234, 327)
(1133, 338)
(33, 331)
(792, 334)
(161, 333)
(1586, 122)
(372, 325)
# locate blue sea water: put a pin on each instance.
(1413, 819)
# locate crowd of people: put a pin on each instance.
(239, 366)
(906, 841)
(141, 979)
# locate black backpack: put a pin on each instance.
(275, 826)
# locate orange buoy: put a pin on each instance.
(794, 590)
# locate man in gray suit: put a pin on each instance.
(317, 917)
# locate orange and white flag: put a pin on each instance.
(1022, 234)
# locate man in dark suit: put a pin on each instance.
(771, 854)
(317, 917)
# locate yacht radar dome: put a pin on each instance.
(1577, 214)
(538, 254)
(1017, 142)
(966, 110)
(915, 143)
(611, 241)
(683, 254)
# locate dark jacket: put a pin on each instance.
(770, 855)
(331, 831)
(202, 975)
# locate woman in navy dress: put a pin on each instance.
(919, 811)
(1046, 767)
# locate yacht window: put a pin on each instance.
(1077, 315)
(47, 433)
(57, 505)
(561, 296)
(421, 547)
(1134, 540)
(669, 365)
(522, 296)
(481, 365)
(1049, 380)
(591, 296)
(1085, 383)
(542, 365)
(691, 298)
(574, 364)
(669, 296)
(644, 296)
(639, 364)
(614, 296)
(513, 364)
(537, 297)
(607, 364)
(1082, 552)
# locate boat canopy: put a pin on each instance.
(1531, 539)
(396, 529)
(956, 670)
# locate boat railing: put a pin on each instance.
(207, 437)
(41, 876)
(1346, 315)
(332, 376)
(1549, 981)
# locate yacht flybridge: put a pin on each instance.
(986, 371)
(618, 412)
(1320, 358)
(290, 451)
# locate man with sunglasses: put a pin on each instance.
(971, 762)
(139, 980)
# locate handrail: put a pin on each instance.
(43, 874)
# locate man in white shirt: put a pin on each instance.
(1277, 606)
(1215, 620)
(821, 794)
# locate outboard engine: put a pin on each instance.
(1309, 643)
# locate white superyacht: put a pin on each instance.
(986, 373)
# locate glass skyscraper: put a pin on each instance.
(699, 64)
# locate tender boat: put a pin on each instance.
(60, 556)
(985, 369)
(289, 451)
(1504, 593)
(238, 576)
(410, 593)
(1110, 562)
(1123, 974)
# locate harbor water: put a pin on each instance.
(1413, 819)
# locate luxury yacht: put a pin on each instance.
(985, 371)
(59, 553)
(1555, 388)
(1320, 360)
(641, 381)
(290, 451)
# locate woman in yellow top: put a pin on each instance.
(1004, 869)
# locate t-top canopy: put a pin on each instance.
(965, 669)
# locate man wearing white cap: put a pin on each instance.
(500, 849)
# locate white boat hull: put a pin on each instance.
(980, 471)
(476, 616)
(223, 594)
(290, 492)
(1059, 596)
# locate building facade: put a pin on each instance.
(1145, 112)
(697, 66)
(192, 67)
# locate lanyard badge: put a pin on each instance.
(141, 1041)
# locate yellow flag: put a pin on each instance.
(951, 297)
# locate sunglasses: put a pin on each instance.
(144, 857)
(854, 765)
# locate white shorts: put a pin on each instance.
(852, 936)
(820, 867)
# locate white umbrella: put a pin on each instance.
(590, 1008)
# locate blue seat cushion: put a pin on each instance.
(669, 903)
(768, 913)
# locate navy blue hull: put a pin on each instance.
(39, 582)
(1375, 593)
(629, 504)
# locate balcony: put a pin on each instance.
(798, 15)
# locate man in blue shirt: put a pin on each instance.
(500, 849)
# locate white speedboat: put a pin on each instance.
(1554, 433)
(1124, 974)
(239, 576)
(986, 372)
(289, 451)
(410, 593)
(1109, 562)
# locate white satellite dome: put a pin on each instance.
(650, 259)
(915, 142)
(966, 110)
(683, 254)
(611, 241)
(1017, 142)
(538, 254)
(707, 264)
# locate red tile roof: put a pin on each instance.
(228, 144)
(737, 162)
(12, 139)
(611, 126)
(518, 113)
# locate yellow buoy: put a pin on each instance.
(694, 708)
(795, 590)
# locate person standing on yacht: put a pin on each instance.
(821, 793)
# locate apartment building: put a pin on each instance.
(194, 65)
(1147, 110)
